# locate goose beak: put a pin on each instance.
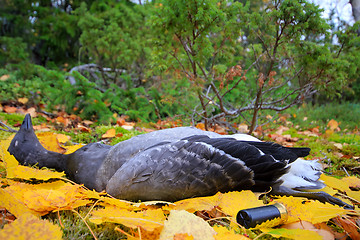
(26, 124)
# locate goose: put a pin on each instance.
(178, 163)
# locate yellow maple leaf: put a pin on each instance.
(296, 234)
(72, 148)
(183, 222)
(30, 227)
(28, 173)
(308, 210)
(9, 161)
(13, 203)
(149, 220)
(50, 142)
(224, 233)
(230, 203)
(62, 138)
(335, 183)
(353, 181)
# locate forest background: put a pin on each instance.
(214, 62)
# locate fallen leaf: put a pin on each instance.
(333, 124)
(30, 227)
(109, 133)
(309, 210)
(50, 142)
(338, 145)
(4, 77)
(23, 100)
(296, 234)
(127, 127)
(350, 227)
(223, 233)
(335, 183)
(200, 126)
(149, 220)
(9, 109)
(352, 182)
(183, 222)
(62, 138)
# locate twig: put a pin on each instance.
(346, 171)
(9, 129)
(85, 224)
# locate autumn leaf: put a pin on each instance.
(23, 100)
(335, 183)
(149, 220)
(28, 173)
(62, 138)
(352, 182)
(30, 227)
(109, 133)
(224, 233)
(309, 210)
(11, 201)
(296, 234)
(183, 222)
(230, 203)
(50, 142)
(333, 124)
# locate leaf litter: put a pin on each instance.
(28, 193)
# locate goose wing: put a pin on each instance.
(177, 170)
(192, 167)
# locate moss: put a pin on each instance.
(74, 227)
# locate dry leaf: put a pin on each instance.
(333, 124)
(229, 203)
(23, 100)
(109, 133)
(200, 126)
(335, 183)
(11, 200)
(186, 223)
(309, 210)
(50, 142)
(296, 234)
(352, 182)
(224, 233)
(9, 109)
(30, 227)
(62, 138)
(149, 220)
(4, 77)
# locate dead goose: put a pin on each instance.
(178, 163)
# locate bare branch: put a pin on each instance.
(9, 129)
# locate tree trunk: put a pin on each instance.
(355, 4)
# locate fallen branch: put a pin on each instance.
(9, 129)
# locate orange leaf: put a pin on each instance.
(333, 124)
(200, 126)
(30, 227)
(109, 133)
(9, 109)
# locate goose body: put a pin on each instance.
(178, 163)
